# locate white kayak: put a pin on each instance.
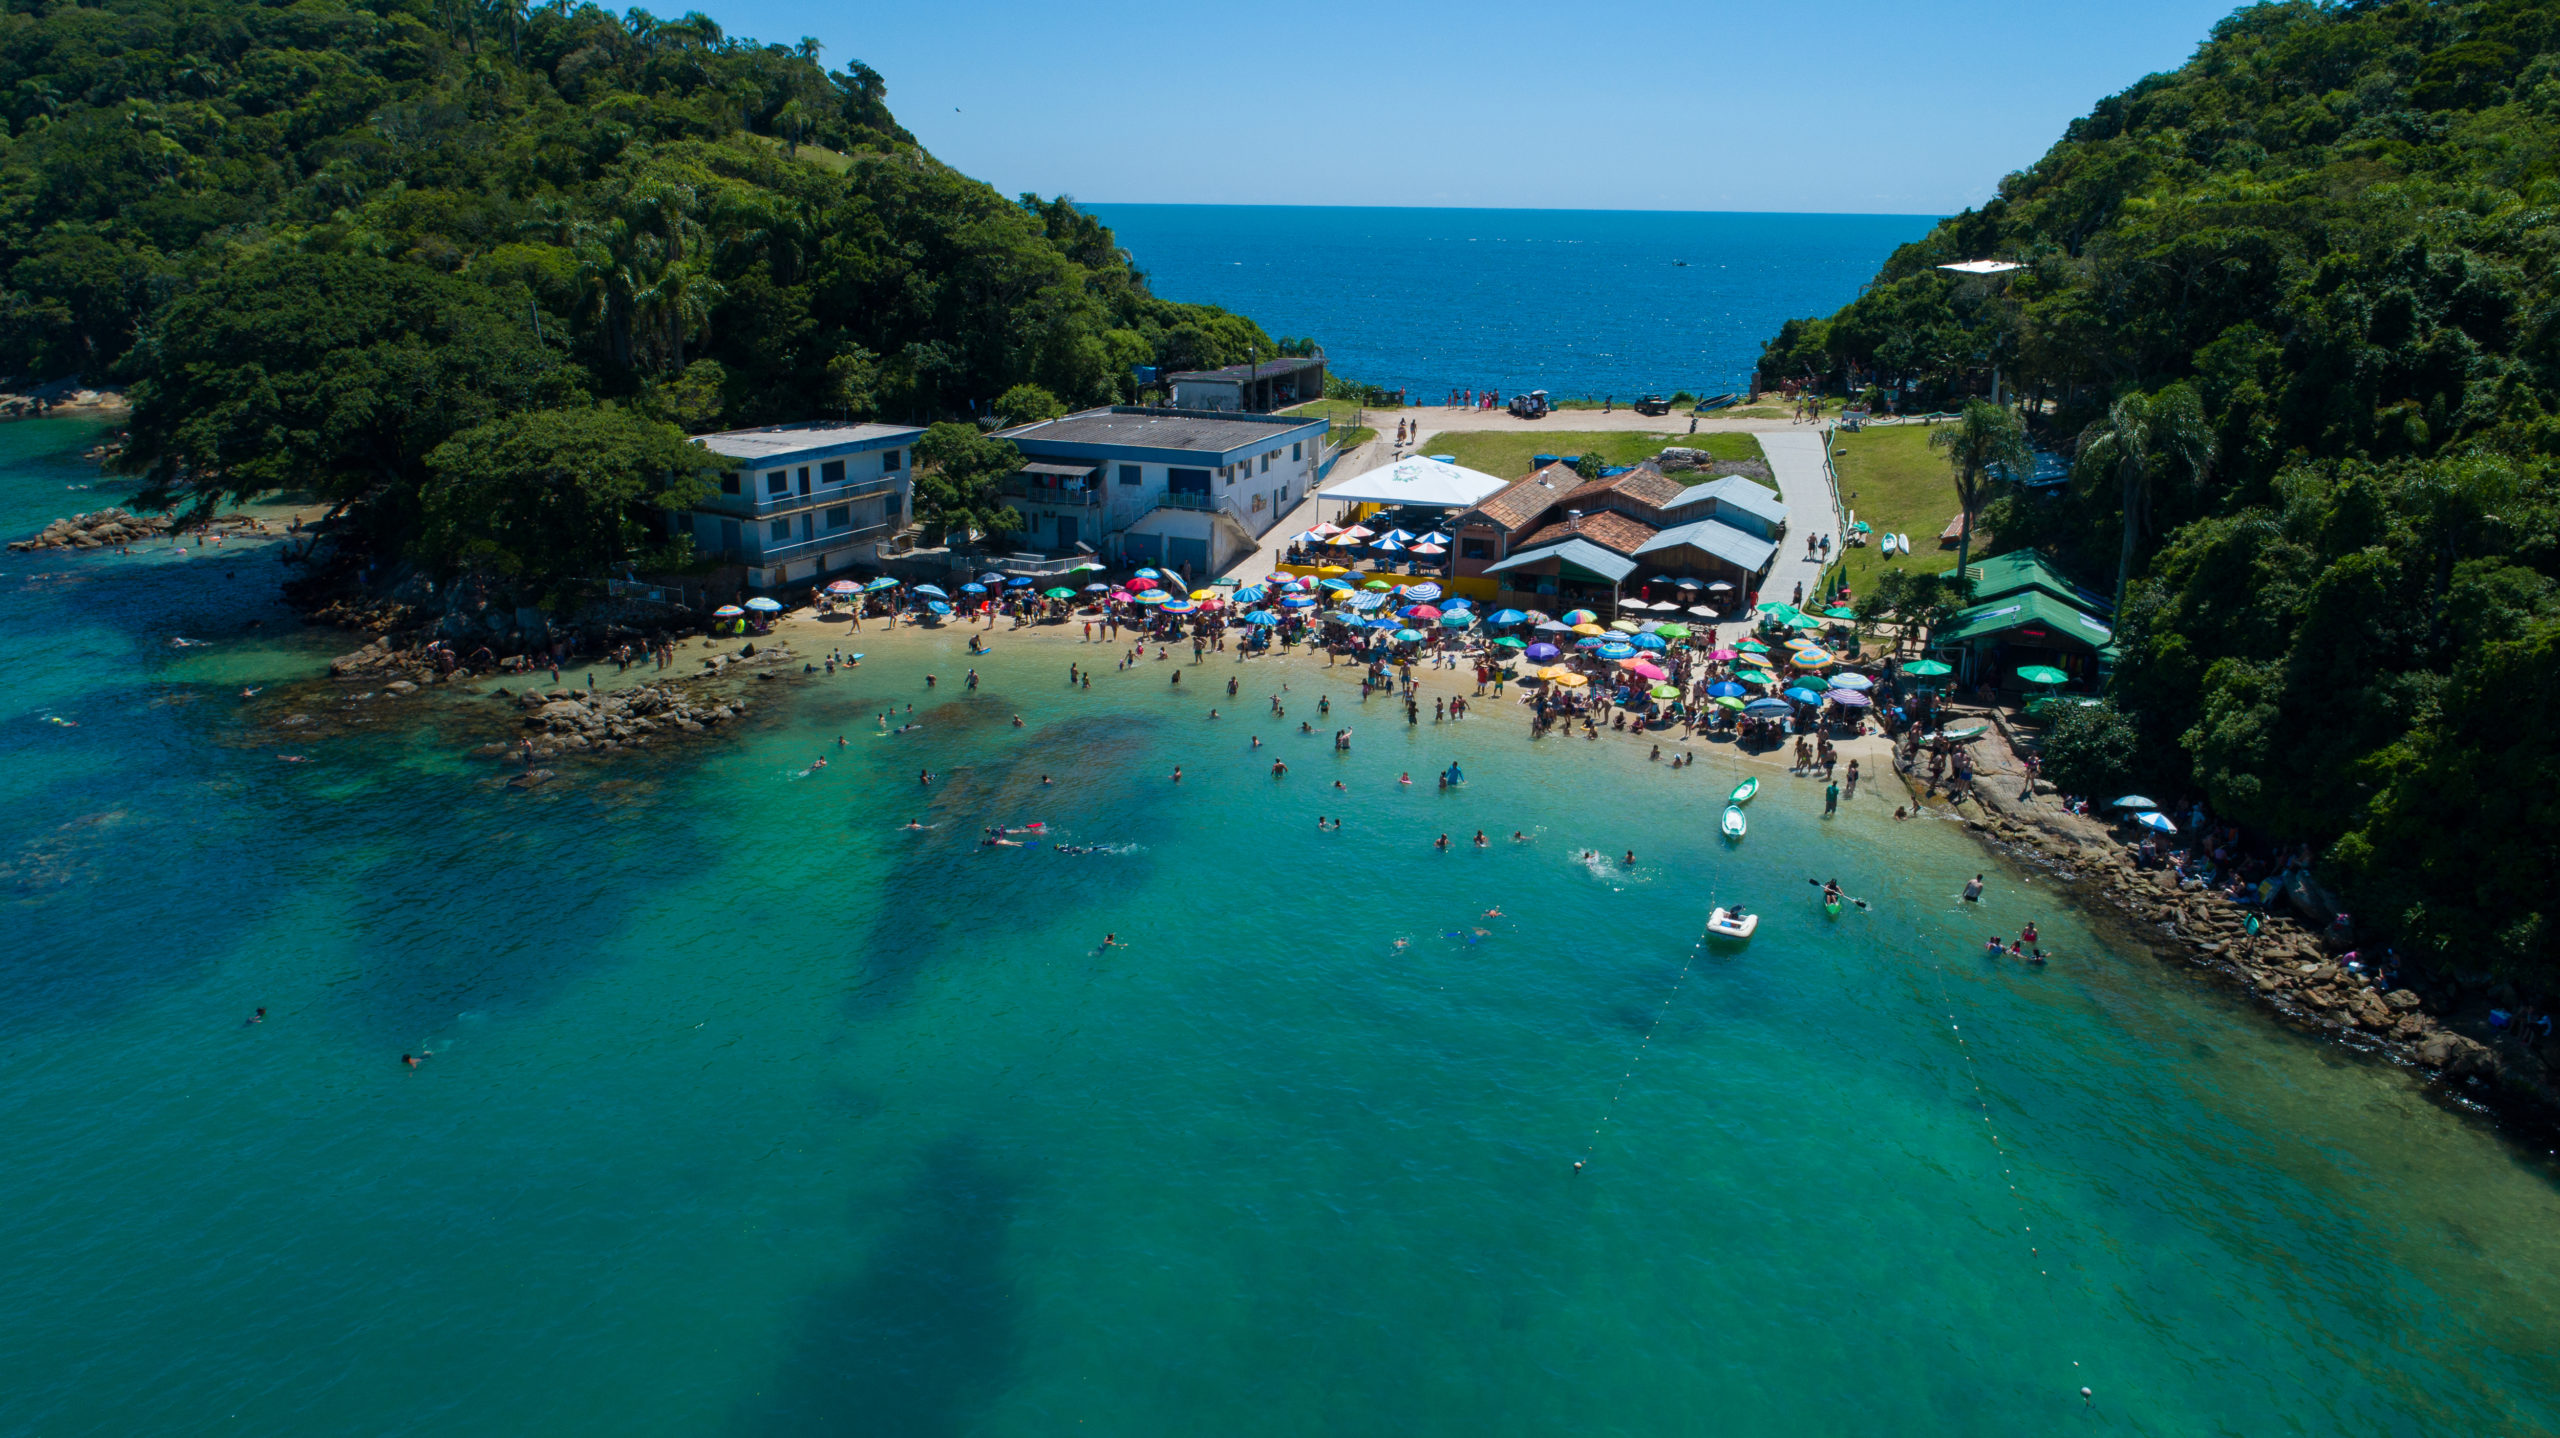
(1735, 826)
(1726, 924)
(1902, 542)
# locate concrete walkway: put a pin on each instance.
(1795, 459)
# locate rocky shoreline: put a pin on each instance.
(111, 527)
(2285, 968)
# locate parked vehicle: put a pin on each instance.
(1653, 404)
(1532, 405)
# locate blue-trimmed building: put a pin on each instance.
(1192, 489)
(803, 501)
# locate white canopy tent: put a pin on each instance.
(1432, 483)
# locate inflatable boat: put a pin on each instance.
(1726, 924)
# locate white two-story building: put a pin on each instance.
(1193, 489)
(801, 501)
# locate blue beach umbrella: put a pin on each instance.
(1250, 594)
(1297, 601)
(1611, 651)
(1155, 597)
(1803, 695)
(1338, 586)
(875, 586)
(1542, 651)
(1650, 641)
(991, 577)
(930, 591)
(1423, 593)
(1852, 681)
(1146, 574)
(1457, 601)
(1263, 617)
(1766, 706)
(1506, 616)
(1725, 689)
(2155, 820)
(937, 606)
(762, 605)
(1456, 619)
(2134, 801)
(973, 589)
(1020, 581)
(1589, 641)
(1409, 636)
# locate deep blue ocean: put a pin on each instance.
(1582, 303)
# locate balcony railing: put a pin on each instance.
(772, 553)
(1056, 496)
(1188, 499)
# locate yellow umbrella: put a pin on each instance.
(1592, 629)
(1207, 594)
(1568, 679)
(1625, 626)
(1328, 571)
(1347, 540)
(1811, 659)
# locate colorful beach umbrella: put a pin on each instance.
(1852, 681)
(763, 605)
(1155, 596)
(883, 582)
(844, 586)
(1580, 616)
(727, 611)
(1850, 698)
(1586, 626)
(1179, 606)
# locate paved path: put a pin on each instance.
(1795, 459)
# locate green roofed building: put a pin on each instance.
(1996, 638)
(2026, 571)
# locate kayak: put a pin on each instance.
(1743, 791)
(1726, 924)
(1831, 907)
(1735, 826)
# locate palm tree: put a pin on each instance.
(1986, 437)
(2142, 437)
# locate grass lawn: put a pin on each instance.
(1892, 479)
(1340, 411)
(1505, 454)
(1352, 438)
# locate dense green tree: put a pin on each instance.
(2092, 750)
(1985, 440)
(2141, 437)
(550, 494)
(959, 484)
(1028, 404)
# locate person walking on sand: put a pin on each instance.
(1831, 798)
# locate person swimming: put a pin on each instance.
(258, 1018)
(1973, 890)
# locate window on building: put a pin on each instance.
(777, 481)
(1473, 549)
(729, 484)
(780, 529)
(1131, 474)
(804, 479)
(1266, 464)
(840, 516)
(1297, 451)
(831, 472)
(889, 462)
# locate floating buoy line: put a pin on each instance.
(1591, 1149)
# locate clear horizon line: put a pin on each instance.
(1081, 202)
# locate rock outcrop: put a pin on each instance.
(573, 721)
(103, 529)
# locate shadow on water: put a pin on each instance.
(951, 899)
(927, 1335)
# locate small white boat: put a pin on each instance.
(1726, 924)
(1885, 546)
(1902, 542)
(1735, 826)
(1743, 791)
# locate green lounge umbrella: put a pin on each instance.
(1664, 691)
(2043, 674)
(1673, 631)
(1756, 676)
(1507, 642)
(1059, 593)
(1839, 611)
(1927, 668)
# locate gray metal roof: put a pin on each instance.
(1190, 431)
(777, 441)
(1734, 492)
(1061, 471)
(1581, 552)
(1735, 546)
(1267, 369)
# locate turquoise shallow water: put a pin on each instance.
(748, 1111)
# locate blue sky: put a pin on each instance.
(1855, 105)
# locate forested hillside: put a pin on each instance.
(318, 240)
(2305, 290)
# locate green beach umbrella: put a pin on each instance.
(1839, 611)
(2043, 674)
(1673, 631)
(1727, 701)
(1756, 676)
(1751, 646)
(1061, 592)
(1664, 691)
(1927, 668)
(1776, 606)
(1804, 621)
(1507, 642)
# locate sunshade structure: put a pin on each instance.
(1428, 483)
(1928, 668)
(844, 586)
(762, 605)
(2043, 674)
(727, 611)
(2051, 621)
(2155, 820)
(875, 586)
